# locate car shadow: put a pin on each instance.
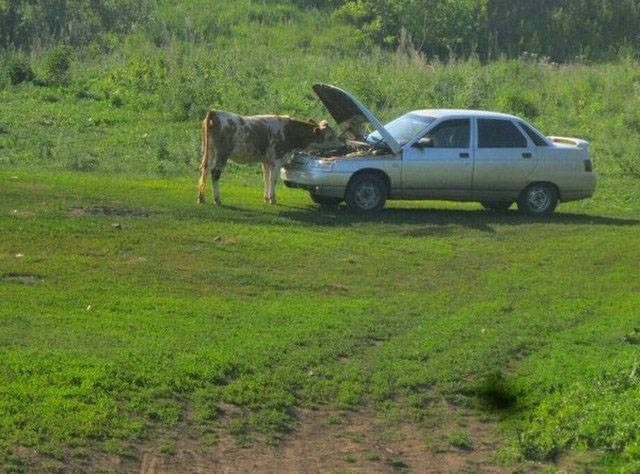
(481, 220)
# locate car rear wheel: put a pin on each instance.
(325, 201)
(496, 205)
(366, 193)
(538, 199)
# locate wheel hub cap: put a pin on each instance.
(538, 200)
(367, 196)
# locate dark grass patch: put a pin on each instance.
(495, 392)
(335, 288)
(461, 440)
(107, 211)
(21, 278)
(397, 463)
(633, 337)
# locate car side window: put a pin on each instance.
(534, 135)
(451, 134)
(494, 133)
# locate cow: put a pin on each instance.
(259, 138)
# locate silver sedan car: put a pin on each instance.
(460, 155)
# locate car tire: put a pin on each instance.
(496, 205)
(366, 193)
(325, 201)
(539, 199)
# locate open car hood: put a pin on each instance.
(350, 115)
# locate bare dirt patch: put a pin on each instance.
(222, 240)
(21, 278)
(324, 441)
(106, 211)
(335, 289)
(22, 213)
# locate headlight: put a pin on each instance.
(322, 164)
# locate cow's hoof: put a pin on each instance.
(217, 202)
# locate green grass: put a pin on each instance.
(183, 308)
(121, 327)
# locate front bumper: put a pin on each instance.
(320, 182)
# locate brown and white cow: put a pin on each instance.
(258, 138)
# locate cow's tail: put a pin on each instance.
(206, 152)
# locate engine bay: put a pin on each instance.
(351, 149)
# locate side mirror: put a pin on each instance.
(424, 143)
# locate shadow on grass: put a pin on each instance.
(495, 392)
(480, 220)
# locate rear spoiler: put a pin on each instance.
(576, 142)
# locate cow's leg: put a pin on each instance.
(274, 167)
(216, 172)
(206, 151)
(204, 170)
(266, 177)
(202, 182)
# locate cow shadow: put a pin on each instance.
(477, 219)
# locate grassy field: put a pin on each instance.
(126, 309)
(130, 316)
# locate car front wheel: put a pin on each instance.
(538, 199)
(366, 193)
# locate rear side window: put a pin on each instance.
(499, 134)
(451, 134)
(534, 135)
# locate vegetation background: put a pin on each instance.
(116, 67)
(106, 88)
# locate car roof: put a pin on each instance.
(438, 113)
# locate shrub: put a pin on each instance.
(461, 440)
(57, 65)
(18, 69)
(82, 163)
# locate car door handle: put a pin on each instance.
(526, 155)
(464, 155)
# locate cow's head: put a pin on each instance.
(325, 136)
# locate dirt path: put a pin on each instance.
(352, 442)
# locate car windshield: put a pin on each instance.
(403, 128)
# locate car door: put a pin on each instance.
(504, 159)
(442, 165)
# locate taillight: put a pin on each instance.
(588, 166)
